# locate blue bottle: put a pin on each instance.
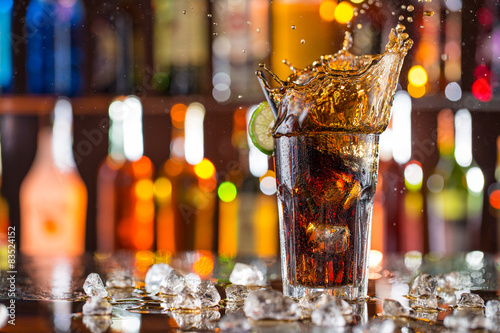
(55, 47)
(6, 74)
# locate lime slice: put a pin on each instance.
(261, 127)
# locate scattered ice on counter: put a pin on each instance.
(425, 302)
(208, 294)
(328, 315)
(375, 326)
(393, 308)
(96, 306)
(192, 281)
(173, 283)
(423, 285)
(270, 304)
(247, 275)
(120, 279)
(186, 299)
(4, 315)
(448, 281)
(482, 322)
(93, 286)
(459, 322)
(237, 292)
(155, 275)
(97, 324)
(235, 323)
(492, 310)
(205, 320)
(469, 300)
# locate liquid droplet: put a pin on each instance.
(410, 8)
(209, 15)
(401, 17)
(215, 23)
(243, 51)
(258, 30)
(359, 26)
(248, 22)
(302, 41)
(240, 96)
(409, 19)
(215, 34)
(184, 11)
(403, 7)
(293, 27)
(428, 13)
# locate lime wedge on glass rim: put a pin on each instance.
(260, 128)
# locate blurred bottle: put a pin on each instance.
(6, 73)
(125, 205)
(452, 198)
(241, 40)
(494, 196)
(181, 46)
(53, 197)
(55, 33)
(474, 177)
(186, 187)
(248, 213)
(4, 224)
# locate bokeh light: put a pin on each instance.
(205, 169)
(416, 92)
(417, 76)
(144, 189)
(227, 191)
(481, 89)
(162, 188)
(453, 91)
(178, 115)
(494, 199)
(414, 176)
(327, 10)
(344, 12)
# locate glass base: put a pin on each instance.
(348, 292)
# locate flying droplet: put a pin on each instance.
(293, 27)
(359, 26)
(401, 17)
(428, 13)
(258, 30)
(215, 34)
(215, 23)
(243, 51)
(410, 8)
(302, 41)
(209, 15)
(403, 7)
(445, 57)
(184, 11)
(240, 96)
(409, 19)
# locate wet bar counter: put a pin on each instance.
(47, 294)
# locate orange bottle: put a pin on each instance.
(53, 197)
(125, 206)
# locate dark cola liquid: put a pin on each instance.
(326, 185)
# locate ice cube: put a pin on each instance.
(237, 292)
(459, 322)
(93, 286)
(186, 299)
(235, 323)
(328, 238)
(270, 304)
(155, 276)
(97, 324)
(492, 310)
(120, 279)
(425, 302)
(208, 294)
(168, 303)
(205, 320)
(393, 308)
(423, 285)
(173, 283)
(234, 307)
(4, 315)
(431, 316)
(448, 282)
(192, 281)
(469, 300)
(247, 275)
(96, 306)
(482, 322)
(376, 326)
(328, 315)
